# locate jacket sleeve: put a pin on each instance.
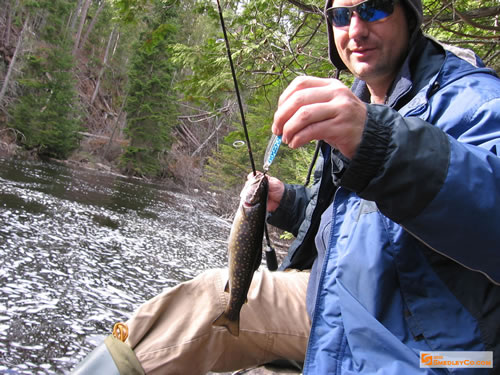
(292, 209)
(440, 178)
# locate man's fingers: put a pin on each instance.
(312, 132)
(305, 117)
(301, 83)
(299, 101)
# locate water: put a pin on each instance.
(81, 250)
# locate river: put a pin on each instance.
(81, 250)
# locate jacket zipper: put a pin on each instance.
(449, 257)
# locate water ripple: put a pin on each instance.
(80, 251)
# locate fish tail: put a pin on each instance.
(233, 326)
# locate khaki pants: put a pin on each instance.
(173, 333)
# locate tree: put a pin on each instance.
(467, 24)
(104, 63)
(13, 61)
(150, 104)
(90, 27)
(271, 43)
(83, 17)
(46, 111)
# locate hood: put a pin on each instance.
(412, 6)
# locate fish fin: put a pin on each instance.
(233, 326)
(226, 288)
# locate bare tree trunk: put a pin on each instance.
(6, 34)
(13, 61)
(83, 17)
(92, 23)
(74, 17)
(218, 126)
(9, 22)
(116, 44)
(117, 122)
(104, 64)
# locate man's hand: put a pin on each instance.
(313, 108)
(276, 190)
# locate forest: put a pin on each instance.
(144, 87)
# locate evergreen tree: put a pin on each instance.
(271, 43)
(46, 109)
(151, 103)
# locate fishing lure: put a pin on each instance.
(271, 151)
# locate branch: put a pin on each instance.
(306, 8)
(13, 61)
(468, 20)
(470, 41)
(490, 37)
(299, 28)
(16, 133)
(208, 138)
(313, 34)
(468, 15)
(204, 116)
(491, 58)
(188, 134)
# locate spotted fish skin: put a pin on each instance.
(245, 250)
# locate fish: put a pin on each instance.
(244, 249)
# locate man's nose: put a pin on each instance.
(357, 28)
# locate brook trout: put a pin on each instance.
(245, 250)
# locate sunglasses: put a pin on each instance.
(368, 11)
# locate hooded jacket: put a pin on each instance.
(404, 236)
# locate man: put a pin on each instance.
(399, 229)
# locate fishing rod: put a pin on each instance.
(238, 96)
(271, 260)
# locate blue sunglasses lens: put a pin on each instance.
(340, 16)
(368, 11)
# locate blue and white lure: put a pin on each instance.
(271, 151)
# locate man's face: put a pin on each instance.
(372, 51)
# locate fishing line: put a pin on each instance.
(240, 104)
(271, 260)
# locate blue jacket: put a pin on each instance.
(407, 239)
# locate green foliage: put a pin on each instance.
(55, 14)
(150, 106)
(476, 30)
(45, 112)
(141, 161)
(127, 10)
(265, 48)
(229, 166)
(271, 43)
(209, 77)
